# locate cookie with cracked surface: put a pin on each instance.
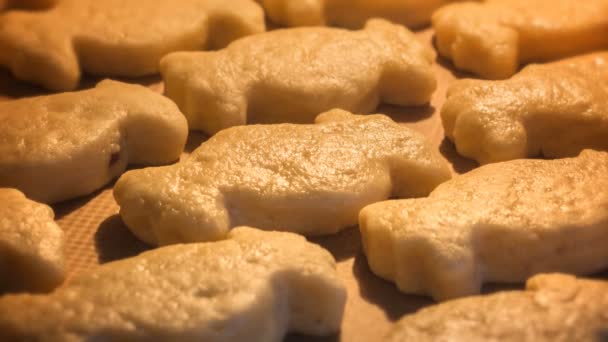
(350, 13)
(554, 307)
(554, 110)
(58, 147)
(501, 223)
(494, 37)
(254, 286)
(292, 75)
(31, 245)
(308, 179)
(124, 38)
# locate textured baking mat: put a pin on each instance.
(96, 235)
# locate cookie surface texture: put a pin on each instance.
(308, 179)
(350, 13)
(31, 245)
(554, 307)
(58, 147)
(552, 110)
(255, 286)
(292, 75)
(493, 38)
(500, 223)
(124, 38)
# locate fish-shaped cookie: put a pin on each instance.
(553, 307)
(61, 146)
(31, 245)
(116, 37)
(503, 222)
(350, 13)
(492, 38)
(254, 286)
(308, 179)
(552, 110)
(291, 75)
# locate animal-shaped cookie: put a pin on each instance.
(350, 13)
(116, 37)
(494, 37)
(502, 222)
(294, 74)
(31, 245)
(554, 307)
(553, 110)
(308, 179)
(62, 146)
(255, 286)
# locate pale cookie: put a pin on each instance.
(493, 38)
(554, 307)
(308, 179)
(255, 286)
(292, 75)
(350, 13)
(116, 37)
(502, 222)
(552, 110)
(62, 146)
(31, 245)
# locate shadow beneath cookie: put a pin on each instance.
(114, 241)
(342, 245)
(308, 338)
(384, 294)
(461, 164)
(153, 82)
(406, 114)
(11, 88)
(195, 139)
(67, 207)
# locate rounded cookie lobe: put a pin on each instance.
(31, 245)
(554, 307)
(292, 75)
(494, 37)
(254, 286)
(552, 110)
(116, 37)
(58, 147)
(502, 222)
(309, 179)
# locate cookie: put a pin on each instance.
(501, 223)
(554, 307)
(493, 38)
(255, 286)
(124, 38)
(31, 245)
(294, 74)
(58, 147)
(349, 13)
(308, 179)
(552, 110)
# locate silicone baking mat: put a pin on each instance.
(96, 234)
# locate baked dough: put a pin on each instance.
(116, 37)
(255, 286)
(350, 13)
(554, 307)
(62, 146)
(493, 38)
(292, 75)
(308, 179)
(502, 222)
(31, 245)
(554, 110)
